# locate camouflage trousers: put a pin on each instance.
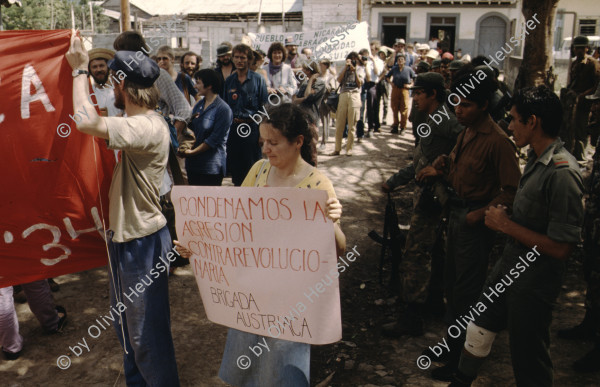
(415, 268)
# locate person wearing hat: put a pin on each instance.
(542, 230)
(482, 170)
(137, 236)
(589, 328)
(431, 56)
(583, 78)
(417, 117)
(438, 136)
(400, 50)
(224, 65)
(435, 65)
(454, 66)
(445, 71)
(99, 73)
(423, 50)
(402, 76)
(292, 54)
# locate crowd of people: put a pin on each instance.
(255, 117)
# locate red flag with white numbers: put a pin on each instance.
(55, 180)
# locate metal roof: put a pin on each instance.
(161, 7)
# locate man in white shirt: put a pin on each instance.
(102, 96)
(138, 237)
(374, 67)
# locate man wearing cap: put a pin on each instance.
(138, 239)
(583, 79)
(453, 67)
(402, 77)
(482, 171)
(399, 48)
(224, 65)
(417, 117)
(542, 231)
(292, 54)
(438, 136)
(98, 70)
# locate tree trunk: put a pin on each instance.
(536, 67)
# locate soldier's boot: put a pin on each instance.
(461, 380)
(409, 323)
(590, 362)
(585, 330)
(446, 372)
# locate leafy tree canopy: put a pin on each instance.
(38, 15)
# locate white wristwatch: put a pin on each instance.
(78, 72)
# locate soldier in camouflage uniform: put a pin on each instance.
(438, 136)
(590, 326)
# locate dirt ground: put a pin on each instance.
(363, 358)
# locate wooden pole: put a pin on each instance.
(91, 16)
(358, 10)
(282, 15)
(125, 20)
(72, 17)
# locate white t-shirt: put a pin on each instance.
(134, 205)
(374, 68)
(106, 99)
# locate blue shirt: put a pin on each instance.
(210, 126)
(247, 98)
(401, 77)
(185, 80)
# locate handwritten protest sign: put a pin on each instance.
(332, 43)
(264, 259)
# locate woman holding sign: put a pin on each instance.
(289, 143)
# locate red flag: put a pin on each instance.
(55, 180)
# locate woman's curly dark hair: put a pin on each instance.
(294, 121)
(277, 46)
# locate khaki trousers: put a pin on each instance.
(348, 111)
(399, 104)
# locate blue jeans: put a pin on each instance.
(363, 99)
(284, 364)
(145, 333)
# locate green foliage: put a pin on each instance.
(40, 14)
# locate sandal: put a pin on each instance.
(62, 321)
